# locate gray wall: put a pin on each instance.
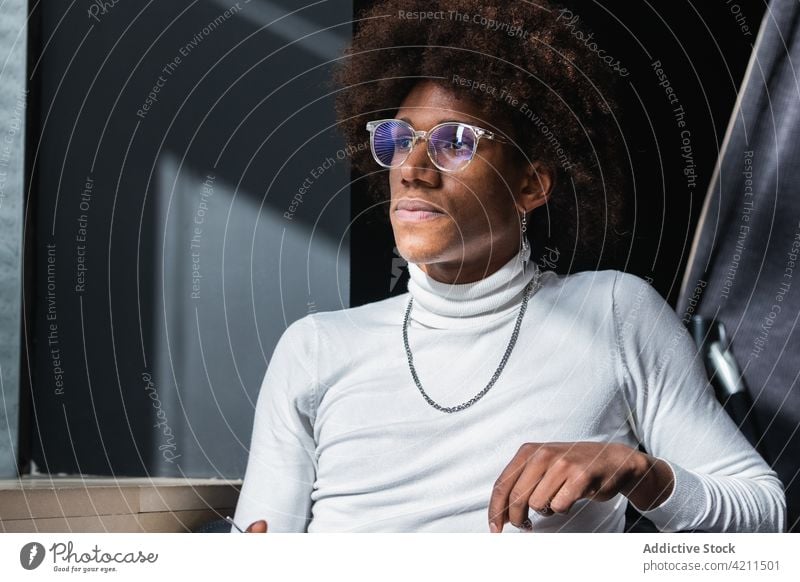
(179, 175)
(13, 99)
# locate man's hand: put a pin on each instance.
(550, 477)
(259, 526)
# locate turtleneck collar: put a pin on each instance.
(442, 305)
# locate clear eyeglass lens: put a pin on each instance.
(452, 145)
(392, 142)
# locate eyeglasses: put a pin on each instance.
(451, 145)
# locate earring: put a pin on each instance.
(525, 245)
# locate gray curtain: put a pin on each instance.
(744, 270)
(13, 105)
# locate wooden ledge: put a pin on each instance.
(109, 504)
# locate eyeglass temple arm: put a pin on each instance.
(491, 135)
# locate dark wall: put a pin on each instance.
(171, 247)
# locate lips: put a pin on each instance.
(414, 210)
(416, 205)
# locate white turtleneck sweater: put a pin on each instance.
(343, 441)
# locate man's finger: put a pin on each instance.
(259, 526)
(549, 486)
(532, 474)
(498, 503)
(574, 490)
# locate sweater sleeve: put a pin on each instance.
(281, 467)
(721, 483)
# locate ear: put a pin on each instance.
(537, 185)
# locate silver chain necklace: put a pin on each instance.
(449, 409)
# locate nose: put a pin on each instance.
(418, 167)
